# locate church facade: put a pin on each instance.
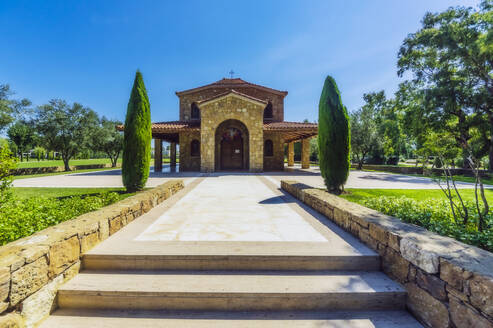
(232, 124)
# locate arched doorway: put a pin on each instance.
(231, 146)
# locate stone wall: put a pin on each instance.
(276, 100)
(275, 162)
(449, 284)
(52, 169)
(187, 161)
(33, 268)
(232, 107)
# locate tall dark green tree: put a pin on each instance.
(137, 138)
(334, 140)
(22, 134)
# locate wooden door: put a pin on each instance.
(232, 154)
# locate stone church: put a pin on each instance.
(232, 124)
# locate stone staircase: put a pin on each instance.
(230, 291)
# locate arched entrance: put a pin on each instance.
(231, 146)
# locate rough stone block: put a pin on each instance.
(39, 305)
(395, 265)
(464, 316)
(11, 320)
(3, 306)
(394, 241)
(63, 254)
(71, 271)
(426, 308)
(28, 279)
(89, 241)
(4, 283)
(423, 259)
(104, 230)
(453, 274)
(482, 293)
(457, 294)
(33, 253)
(378, 233)
(434, 285)
(115, 225)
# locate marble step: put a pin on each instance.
(150, 319)
(102, 262)
(232, 291)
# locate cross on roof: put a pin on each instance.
(231, 73)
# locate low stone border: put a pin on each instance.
(32, 268)
(449, 284)
(418, 170)
(53, 169)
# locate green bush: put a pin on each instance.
(333, 137)
(7, 163)
(435, 215)
(23, 217)
(137, 138)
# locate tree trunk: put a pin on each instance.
(65, 163)
(360, 165)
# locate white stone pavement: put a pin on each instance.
(312, 177)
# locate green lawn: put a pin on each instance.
(25, 193)
(358, 195)
(35, 163)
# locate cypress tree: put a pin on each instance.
(334, 138)
(137, 138)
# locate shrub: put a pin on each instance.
(7, 163)
(137, 138)
(23, 217)
(333, 137)
(435, 215)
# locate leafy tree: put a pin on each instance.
(10, 108)
(40, 153)
(64, 128)
(108, 140)
(334, 139)
(137, 138)
(7, 163)
(451, 58)
(22, 134)
(364, 134)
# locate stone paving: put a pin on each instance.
(312, 177)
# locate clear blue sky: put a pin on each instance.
(88, 51)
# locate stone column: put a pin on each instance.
(291, 153)
(172, 154)
(305, 153)
(158, 155)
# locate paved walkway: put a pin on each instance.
(312, 177)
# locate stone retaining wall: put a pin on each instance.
(52, 169)
(449, 284)
(32, 268)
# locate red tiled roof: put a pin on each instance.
(231, 91)
(176, 126)
(279, 126)
(231, 83)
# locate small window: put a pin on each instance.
(195, 148)
(195, 114)
(268, 111)
(268, 148)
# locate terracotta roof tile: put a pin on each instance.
(279, 126)
(237, 82)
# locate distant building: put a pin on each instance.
(232, 124)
